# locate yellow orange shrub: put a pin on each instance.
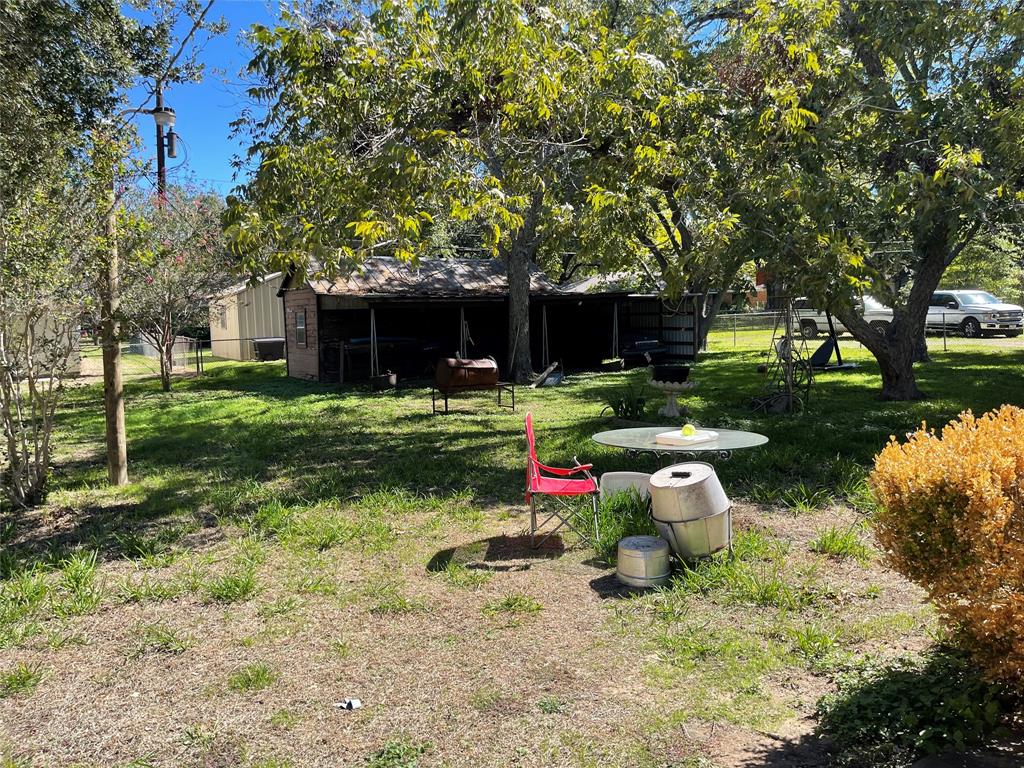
(952, 521)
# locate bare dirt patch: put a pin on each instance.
(582, 680)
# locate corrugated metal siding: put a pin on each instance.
(433, 278)
(253, 311)
(678, 335)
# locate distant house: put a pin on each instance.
(245, 312)
(391, 315)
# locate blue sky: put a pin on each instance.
(204, 110)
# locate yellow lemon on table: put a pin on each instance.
(689, 430)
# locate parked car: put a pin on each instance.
(813, 321)
(974, 314)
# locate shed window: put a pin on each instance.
(300, 327)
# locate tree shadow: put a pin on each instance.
(114, 531)
(497, 553)
(246, 426)
(936, 709)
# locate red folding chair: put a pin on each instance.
(562, 485)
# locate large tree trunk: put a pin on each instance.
(901, 345)
(110, 339)
(898, 379)
(518, 260)
(894, 351)
(520, 364)
(708, 308)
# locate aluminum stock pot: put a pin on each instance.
(690, 509)
(643, 561)
(687, 491)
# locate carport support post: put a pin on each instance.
(374, 362)
(615, 331)
(462, 332)
(544, 336)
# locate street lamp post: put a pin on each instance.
(164, 118)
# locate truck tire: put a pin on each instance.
(808, 329)
(971, 328)
(1013, 334)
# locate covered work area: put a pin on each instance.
(393, 316)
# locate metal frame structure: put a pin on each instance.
(558, 483)
(501, 386)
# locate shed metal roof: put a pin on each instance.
(388, 277)
(238, 288)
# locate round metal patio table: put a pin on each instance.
(637, 440)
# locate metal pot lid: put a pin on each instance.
(642, 544)
(682, 475)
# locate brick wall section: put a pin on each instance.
(303, 362)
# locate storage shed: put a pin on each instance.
(245, 312)
(391, 315)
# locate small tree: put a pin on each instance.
(179, 260)
(45, 248)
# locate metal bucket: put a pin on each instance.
(643, 561)
(687, 491)
(694, 539)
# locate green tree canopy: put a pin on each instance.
(916, 112)
(566, 127)
(63, 68)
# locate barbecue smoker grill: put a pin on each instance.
(455, 374)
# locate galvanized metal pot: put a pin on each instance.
(687, 491)
(643, 561)
(690, 509)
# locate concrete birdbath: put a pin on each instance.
(673, 380)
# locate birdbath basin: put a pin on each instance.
(673, 380)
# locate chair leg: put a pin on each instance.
(533, 522)
(597, 533)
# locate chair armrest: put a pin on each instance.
(564, 472)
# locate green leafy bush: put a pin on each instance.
(891, 713)
(628, 403)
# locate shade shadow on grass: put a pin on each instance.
(497, 553)
(893, 713)
(247, 423)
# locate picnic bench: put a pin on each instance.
(455, 374)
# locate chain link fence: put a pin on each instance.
(752, 332)
(140, 358)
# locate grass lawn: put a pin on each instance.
(286, 545)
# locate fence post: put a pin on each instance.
(734, 331)
(944, 347)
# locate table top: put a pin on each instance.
(642, 439)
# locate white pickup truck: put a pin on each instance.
(974, 314)
(814, 322)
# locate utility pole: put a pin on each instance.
(166, 143)
(161, 163)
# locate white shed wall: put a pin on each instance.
(247, 312)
